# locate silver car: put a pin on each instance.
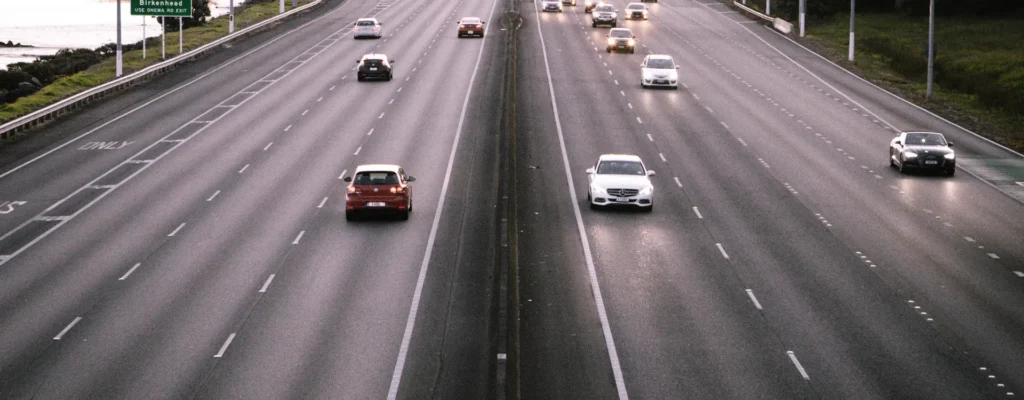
(368, 27)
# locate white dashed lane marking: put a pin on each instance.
(754, 299)
(68, 328)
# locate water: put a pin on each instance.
(54, 24)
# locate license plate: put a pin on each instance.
(621, 200)
(470, 32)
(621, 45)
(373, 69)
(375, 204)
(929, 162)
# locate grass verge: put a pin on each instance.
(132, 60)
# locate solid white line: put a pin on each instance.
(754, 299)
(722, 249)
(177, 229)
(662, 155)
(298, 238)
(224, 347)
(322, 202)
(410, 323)
(358, 150)
(244, 168)
(129, 272)
(267, 283)
(678, 182)
(268, 146)
(68, 328)
(214, 195)
(602, 314)
(342, 176)
(287, 128)
(799, 367)
(696, 211)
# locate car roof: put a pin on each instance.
(618, 157)
(378, 168)
(659, 57)
(375, 56)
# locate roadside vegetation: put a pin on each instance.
(979, 62)
(73, 71)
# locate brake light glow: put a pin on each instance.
(461, 26)
(397, 189)
(351, 189)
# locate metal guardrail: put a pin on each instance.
(751, 11)
(82, 99)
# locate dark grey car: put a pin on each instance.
(922, 150)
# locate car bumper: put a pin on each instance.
(602, 199)
(626, 48)
(389, 205)
(661, 82)
(471, 33)
(604, 22)
(373, 74)
(924, 164)
(636, 16)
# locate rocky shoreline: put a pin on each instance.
(12, 44)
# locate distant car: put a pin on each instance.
(604, 14)
(659, 70)
(367, 27)
(588, 5)
(551, 5)
(636, 11)
(569, 3)
(471, 26)
(375, 66)
(621, 39)
(620, 180)
(922, 150)
(379, 188)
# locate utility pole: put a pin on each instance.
(931, 48)
(143, 37)
(181, 36)
(768, 7)
(117, 73)
(803, 13)
(851, 28)
(231, 16)
(280, 9)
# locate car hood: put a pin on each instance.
(606, 181)
(941, 150)
(659, 73)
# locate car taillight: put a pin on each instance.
(479, 26)
(397, 189)
(461, 26)
(351, 189)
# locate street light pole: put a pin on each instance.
(117, 73)
(931, 48)
(231, 16)
(851, 28)
(280, 10)
(768, 7)
(803, 13)
(143, 37)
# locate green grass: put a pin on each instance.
(979, 78)
(132, 60)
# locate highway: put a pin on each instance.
(186, 238)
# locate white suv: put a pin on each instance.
(620, 179)
(367, 27)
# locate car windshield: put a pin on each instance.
(925, 139)
(660, 63)
(620, 33)
(365, 23)
(620, 168)
(635, 6)
(376, 178)
(606, 8)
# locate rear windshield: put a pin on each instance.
(376, 178)
(635, 6)
(659, 63)
(365, 23)
(471, 21)
(621, 34)
(373, 62)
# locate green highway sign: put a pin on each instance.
(162, 8)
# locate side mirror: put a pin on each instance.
(358, 61)
(677, 67)
(348, 179)
(380, 23)
(608, 35)
(482, 22)
(950, 144)
(590, 170)
(650, 172)
(391, 61)
(634, 37)
(410, 178)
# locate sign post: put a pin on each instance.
(164, 8)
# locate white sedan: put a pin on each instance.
(620, 179)
(659, 70)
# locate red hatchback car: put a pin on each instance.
(379, 188)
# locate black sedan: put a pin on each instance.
(375, 66)
(922, 150)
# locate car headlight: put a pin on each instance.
(909, 154)
(647, 190)
(632, 42)
(949, 156)
(611, 42)
(597, 189)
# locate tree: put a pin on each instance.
(200, 11)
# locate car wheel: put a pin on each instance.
(349, 216)
(892, 162)
(951, 171)
(902, 167)
(609, 49)
(649, 208)
(593, 25)
(360, 78)
(615, 24)
(404, 216)
(631, 51)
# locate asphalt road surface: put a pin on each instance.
(186, 239)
